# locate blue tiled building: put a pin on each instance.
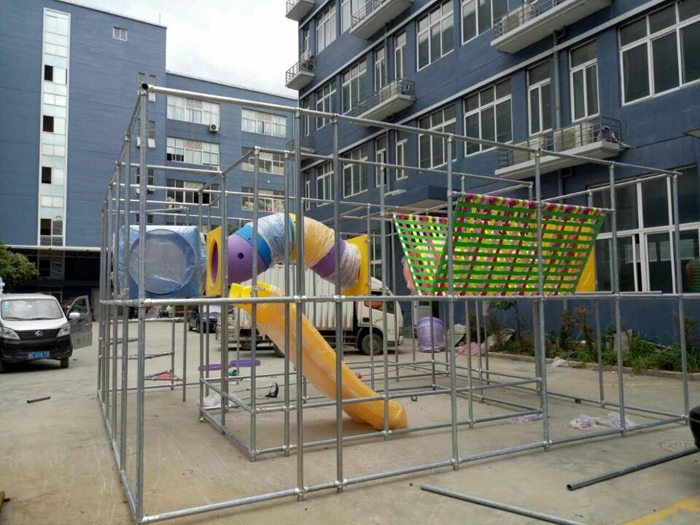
(612, 79)
(68, 83)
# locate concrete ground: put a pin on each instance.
(57, 467)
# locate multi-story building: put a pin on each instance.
(612, 79)
(68, 83)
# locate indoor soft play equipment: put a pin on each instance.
(495, 248)
(318, 255)
(175, 261)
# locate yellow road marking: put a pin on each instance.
(692, 505)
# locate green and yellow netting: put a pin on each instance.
(495, 247)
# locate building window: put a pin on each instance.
(308, 176)
(187, 192)
(539, 99)
(435, 34)
(325, 28)
(305, 118)
(432, 151)
(354, 89)
(325, 101)
(192, 110)
(192, 152)
(272, 163)
(151, 82)
(348, 8)
(47, 124)
(379, 156)
(479, 16)
(51, 265)
(488, 116)
(268, 200)
(400, 56)
(305, 41)
(51, 231)
(401, 145)
(45, 175)
(661, 51)
(324, 183)
(379, 68)
(355, 176)
(151, 135)
(119, 33)
(150, 182)
(584, 81)
(264, 123)
(376, 255)
(646, 231)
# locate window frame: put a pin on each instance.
(538, 86)
(493, 104)
(402, 144)
(428, 30)
(356, 170)
(327, 100)
(254, 116)
(400, 56)
(477, 8)
(647, 41)
(177, 143)
(380, 71)
(356, 79)
(380, 156)
(275, 160)
(118, 32)
(326, 20)
(265, 195)
(584, 67)
(177, 189)
(324, 183)
(438, 127)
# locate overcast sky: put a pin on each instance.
(247, 42)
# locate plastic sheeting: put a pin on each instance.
(175, 261)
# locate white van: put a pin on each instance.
(356, 315)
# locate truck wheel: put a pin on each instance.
(277, 351)
(65, 362)
(377, 343)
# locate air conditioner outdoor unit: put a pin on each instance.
(574, 136)
(306, 56)
(524, 156)
(517, 17)
(213, 128)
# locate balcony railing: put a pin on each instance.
(298, 9)
(536, 19)
(375, 14)
(392, 98)
(598, 137)
(300, 74)
(306, 144)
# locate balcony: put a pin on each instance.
(598, 138)
(537, 19)
(300, 74)
(392, 98)
(307, 145)
(298, 9)
(374, 15)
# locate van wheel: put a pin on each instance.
(3, 367)
(377, 343)
(276, 350)
(65, 362)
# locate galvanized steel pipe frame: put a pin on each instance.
(136, 499)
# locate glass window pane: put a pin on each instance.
(423, 50)
(627, 254)
(633, 32)
(690, 48)
(592, 89)
(448, 35)
(424, 142)
(626, 199)
(434, 43)
(603, 265)
(546, 107)
(500, 8)
(468, 20)
(487, 96)
(488, 126)
(503, 122)
(660, 260)
(583, 54)
(662, 19)
(688, 196)
(472, 130)
(655, 203)
(538, 74)
(472, 102)
(503, 89)
(665, 55)
(438, 151)
(635, 73)
(534, 111)
(579, 105)
(484, 15)
(688, 8)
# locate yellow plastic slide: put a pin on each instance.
(319, 359)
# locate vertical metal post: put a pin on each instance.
(369, 292)
(300, 292)
(116, 285)
(616, 293)
(540, 346)
(223, 249)
(201, 308)
(451, 307)
(397, 306)
(338, 317)
(470, 381)
(385, 343)
(141, 367)
(287, 293)
(109, 348)
(172, 352)
(254, 310)
(185, 326)
(479, 358)
(598, 336)
(679, 292)
(102, 308)
(125, 294)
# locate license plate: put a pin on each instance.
(39, 355)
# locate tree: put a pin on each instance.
(15, 268)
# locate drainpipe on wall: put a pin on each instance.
(557, 88)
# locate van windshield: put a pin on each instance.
(30, 309)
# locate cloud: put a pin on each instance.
(245, 42)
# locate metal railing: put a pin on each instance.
(369, 7)
(527, 11)
(589, 131)
(393, 89)
(305, 65)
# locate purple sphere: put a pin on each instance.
(240, 260)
